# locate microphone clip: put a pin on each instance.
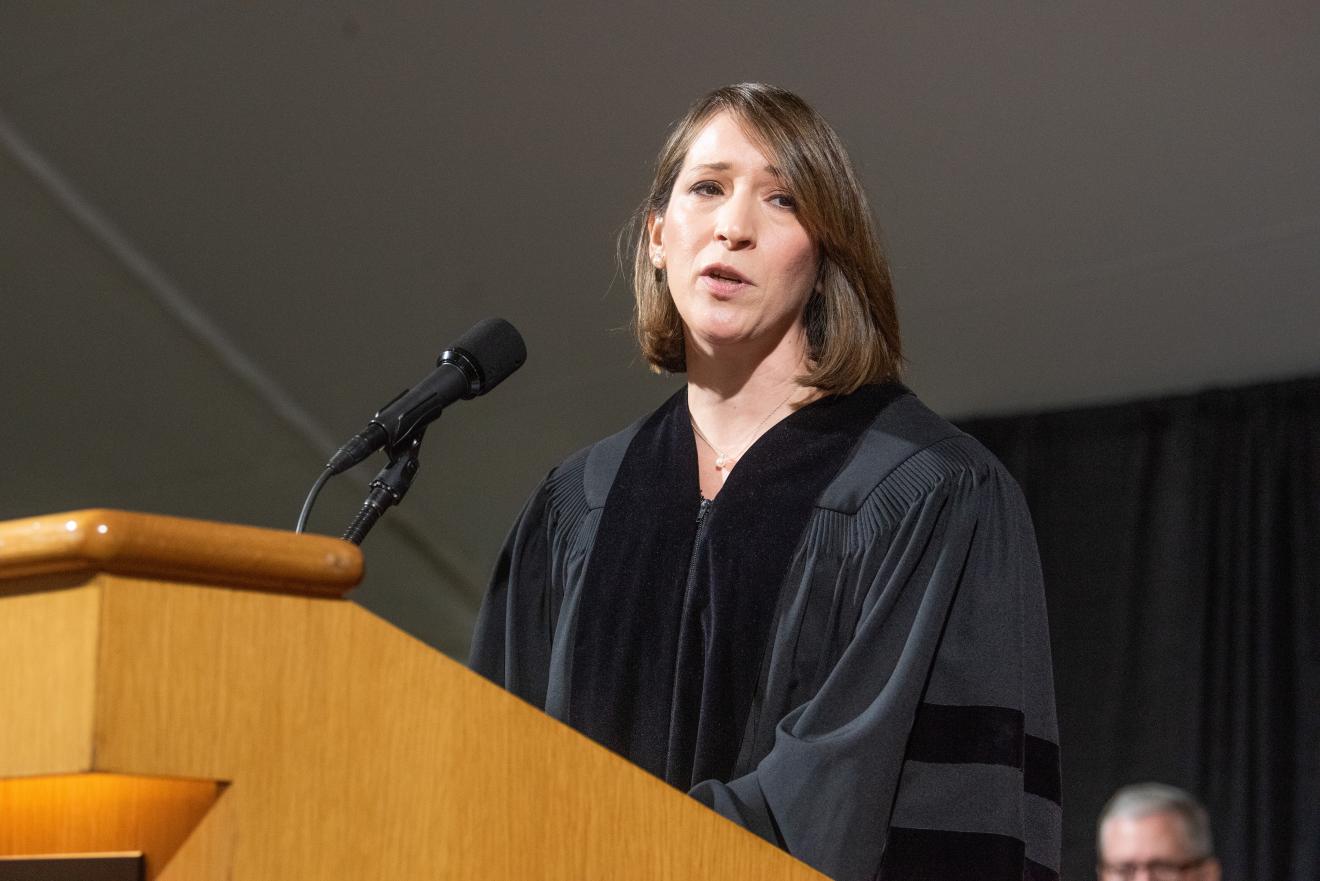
(389, 486)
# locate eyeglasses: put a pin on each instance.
(1158, 870)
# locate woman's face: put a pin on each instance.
(739, 263)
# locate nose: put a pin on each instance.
(735, 226)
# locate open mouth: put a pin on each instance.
(724, 274)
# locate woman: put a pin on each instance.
(792, 590)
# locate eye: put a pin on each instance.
(705, 188)
(784, 200)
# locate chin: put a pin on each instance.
(721, 336)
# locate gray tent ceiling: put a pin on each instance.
(228, 232)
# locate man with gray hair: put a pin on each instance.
(1154, 832)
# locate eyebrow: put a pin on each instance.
(725, 166)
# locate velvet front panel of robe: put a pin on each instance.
(666, 663)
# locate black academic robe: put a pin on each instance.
(846, 652)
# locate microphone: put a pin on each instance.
(478, 361)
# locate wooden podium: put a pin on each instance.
(202, 692)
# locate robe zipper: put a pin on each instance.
(702, 511)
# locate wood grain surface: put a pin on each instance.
(175, 548)
(359, 752)
(48, 646)
(347, 749)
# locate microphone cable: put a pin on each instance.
(311, 498)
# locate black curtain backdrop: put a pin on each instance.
(1180, 540)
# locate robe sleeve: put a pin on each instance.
(512, 640)
(929, 750)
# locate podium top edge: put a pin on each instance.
(177, 548)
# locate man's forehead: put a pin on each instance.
(1144, 836)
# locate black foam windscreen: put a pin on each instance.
(495, 347)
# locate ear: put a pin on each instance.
(655, 229)
(1211, 870)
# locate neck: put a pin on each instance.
(731, 391)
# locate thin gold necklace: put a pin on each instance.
(724, 462)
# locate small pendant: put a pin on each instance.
(723, 464)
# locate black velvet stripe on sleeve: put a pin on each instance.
(1041, 775)
(990, 735)
(950, 734)
(938, 855)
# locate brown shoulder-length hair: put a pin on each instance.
(851, 320)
